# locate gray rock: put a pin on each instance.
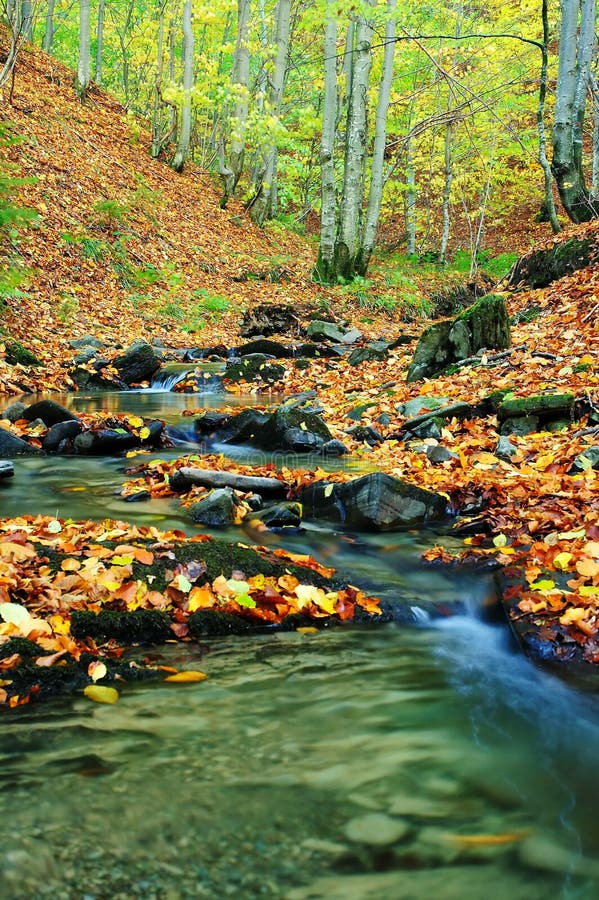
(520, 426)
(87, 340)
(328, 331)
(505, 449)
(244, 428)
(485, 325)
(377, 350)
(280, 515)
(216, 509)
(588, 459)
(49, 412)
(138, 363)
(253, 366)
(377, 502)
(365, 433)
(7, 469)
(439, 454)
(266, 347)
(14, 412)
(60, 433)
(296, 440)
(427, 429)
(376, 830)
(421, 405)
(334, 448)
(11, 446)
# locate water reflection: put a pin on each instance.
(262, 781)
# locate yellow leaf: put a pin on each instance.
(188, 677)
(307, 629)
(135, 421)
(97, 670)
(144, 433)
(545, 584)
(101, 694)
(574, 615)
(562, 561)
(500, 540)
(59, 625)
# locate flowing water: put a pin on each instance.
(390, 763)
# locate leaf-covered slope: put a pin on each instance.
(123, 245)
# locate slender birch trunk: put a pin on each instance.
(264, 202)
(100, 41)
(576, 46)
(549, 202)
(324, 271)
(49, 27)
(184, 141)
(83, 67)
(231, 169)
(410, 201)
(377, 179)
(156, 145)
(27, 20)
(349, 232)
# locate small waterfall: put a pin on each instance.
(165, 379)
(206, 377)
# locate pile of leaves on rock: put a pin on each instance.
(73, 595)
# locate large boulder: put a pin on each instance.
(374, 502)
(216, 509)
(49, 412)
(265, 346)
(138, 363)
(318, 330)
(289, 428)
(11, 446)
(485, 325)
(252, 367)
(540, 267)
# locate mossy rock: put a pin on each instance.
(142, 626)
(542, 267)
(545, 406)
(485, 325)
(17, 354)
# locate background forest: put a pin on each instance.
(422, 123)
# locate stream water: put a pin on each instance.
(391, 763)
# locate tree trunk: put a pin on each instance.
(324, 271)
(156, 145)
(83, 67)
(576, 46)
(262, 205)
(100, 41)
(184, 141)
(231, 169)
(410, 201)
(49, 28)
(349, 233)
(26, 20)
(377, 180)
(544, 162)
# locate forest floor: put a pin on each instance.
(123, 248)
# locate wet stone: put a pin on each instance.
(376, 830)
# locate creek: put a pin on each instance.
(381, 763)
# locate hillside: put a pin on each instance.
(119, 231)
